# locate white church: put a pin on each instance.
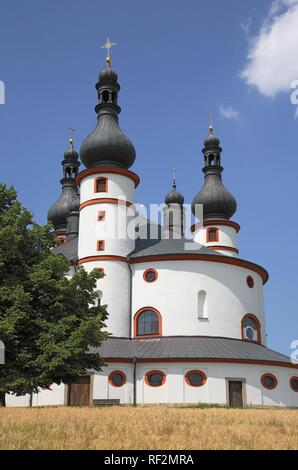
(186, 317)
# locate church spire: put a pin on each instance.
(59, 211)
(107, 145)
(218, 202)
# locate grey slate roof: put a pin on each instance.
(169, 246)
(188, 347)
(69, 249)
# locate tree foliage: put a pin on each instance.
(48, 320)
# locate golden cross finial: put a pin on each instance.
(108, 46)
(71, 132)
(210, 122)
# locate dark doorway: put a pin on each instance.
(236, 393)
(79, 392)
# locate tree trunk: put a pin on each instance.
(2, 399)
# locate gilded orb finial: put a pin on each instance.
(108, 46)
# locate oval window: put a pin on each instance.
(250, 282)
(150, 275)
(155, 378)
(195, 378)
(294, 384)
(269, 381)
(117, 378)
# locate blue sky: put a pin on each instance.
(176, 61)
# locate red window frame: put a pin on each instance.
(257, 322)
(139, 312)
(100, 245)
(97, 181)
(273, 387)
(209, 231)
(150, 270)
(118, 372)
(151, 372)
(200, 372)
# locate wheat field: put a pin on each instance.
(160, 428)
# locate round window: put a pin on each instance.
(117, 378)
(150, 275)
(195, 378)
(250, 282)
(269, 381)
(294, 384)
(250, 333)
(155, 378)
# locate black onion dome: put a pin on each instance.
(217, 201)
(59, 211)
(75, 205)
(174, 197)
(71, 155)
(107, 145)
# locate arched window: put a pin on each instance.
(212, 235)
(202, 305)
(101, 185)
(105, 96)
(251, 328)
(147, 322)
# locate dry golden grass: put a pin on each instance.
(147, 428)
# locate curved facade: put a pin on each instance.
(186, 316)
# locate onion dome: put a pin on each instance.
(72, 227)
(174, 197)
(107, 145)
(59, 211)
(218, 202)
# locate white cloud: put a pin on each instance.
(229, 112)
(272, 59)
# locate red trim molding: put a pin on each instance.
(222, 247)
(150, 270)
(105, 200)
(135, 323)
(258, 324)
(271, 376)
(206, 223)
(201, 373)
(288, 365)
(202, 257)
(122, 375)
(151, 372)
(90, 259)
(112, 170)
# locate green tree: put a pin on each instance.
(48, 321)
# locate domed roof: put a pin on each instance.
(59, 211)
(107, 145)
(75, 205)
(218, 202)
(71, 155)
(211, 140)
(174, 197)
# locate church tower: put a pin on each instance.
(59, 211)
(216, 230)
(107, 194)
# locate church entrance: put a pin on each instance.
(235, 388)
(79, 392)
